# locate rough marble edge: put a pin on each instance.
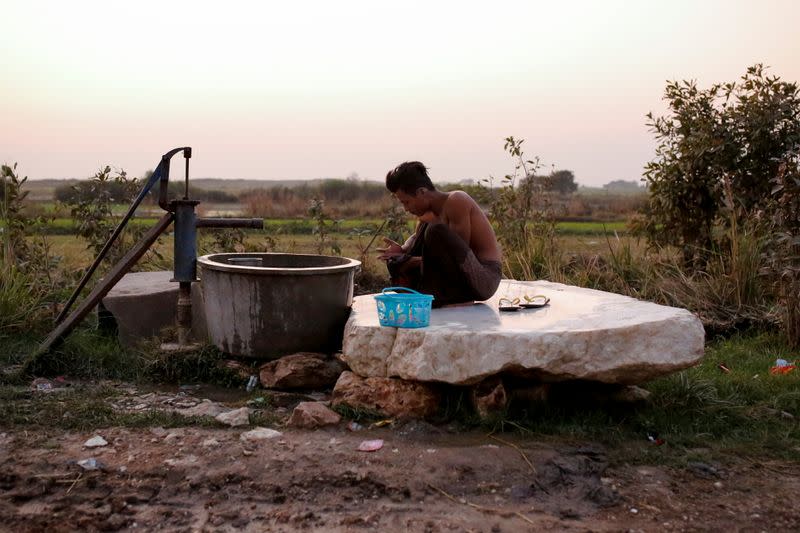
(404, 353)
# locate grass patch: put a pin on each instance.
(700, 412)
(92, 355)
(81, 408)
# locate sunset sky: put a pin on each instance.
(296, 90)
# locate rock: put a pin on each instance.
(238, 368)
(303, 370)
(489, 397)
(173, 436)
(582, 334)
(632, 394)
(311, 415)
(205, 408)
(286, 399)
(236, 417)
(387, 396)
(96, 442)
(189, 460)
(258, 434)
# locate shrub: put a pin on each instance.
(739, 132)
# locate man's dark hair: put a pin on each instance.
(408, 177)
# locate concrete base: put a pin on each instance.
(582, 334)
(144, 303)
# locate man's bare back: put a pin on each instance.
(482, 240)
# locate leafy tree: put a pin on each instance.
(562, 182)
(783, 256)
(728, 140)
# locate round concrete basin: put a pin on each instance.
(265, 305)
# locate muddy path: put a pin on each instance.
(424, 478)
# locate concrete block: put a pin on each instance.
(143, 303)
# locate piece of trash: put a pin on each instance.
(782, 366)
(354, 426)
(724, 368)
(381, 423)
(654, 438)
(96, 442)
(91, 464)
(257, 401)
(251, 383)
(42, 385)
(370, 445)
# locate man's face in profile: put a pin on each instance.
(413, 203)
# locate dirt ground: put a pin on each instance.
(424, 478)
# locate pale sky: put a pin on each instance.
(296, 90)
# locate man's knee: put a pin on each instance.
(436, 233)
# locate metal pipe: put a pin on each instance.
(185, 240)
(184, 312)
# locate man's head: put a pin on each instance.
(410, 183)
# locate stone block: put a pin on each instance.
(143, 303)
(583, 334)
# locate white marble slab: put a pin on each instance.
(581, 334)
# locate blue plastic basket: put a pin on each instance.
(401, 310)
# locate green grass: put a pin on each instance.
(703, 411)
(82, 407)
(591, 228)
(302, 226)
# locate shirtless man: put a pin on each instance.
(453, 254)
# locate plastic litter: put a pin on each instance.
(91, 464)
(782, 366)
(44, 386)
(653, 437)
(354, 426)
(251, 383)
(370, 445)
(724, 368)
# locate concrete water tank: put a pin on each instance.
(265, 305)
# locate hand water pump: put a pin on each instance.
(182, 213)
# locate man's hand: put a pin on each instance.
(391, 249)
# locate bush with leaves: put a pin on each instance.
(324, 227)
(739, 132)
(783, 255)
(92, 210)
(522, 214)
(29, 277)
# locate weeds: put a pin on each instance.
(324, 228)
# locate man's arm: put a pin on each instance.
(457, 213)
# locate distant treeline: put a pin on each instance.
(342, 198)
(353, 198)
(82, 191)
